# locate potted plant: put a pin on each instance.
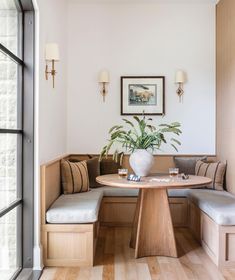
(141, 141)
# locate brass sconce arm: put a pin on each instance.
(52, 72)
(51, 55)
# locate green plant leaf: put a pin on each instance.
(176, 141)
(128, 122)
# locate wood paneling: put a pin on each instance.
(50, 185)
(225, 44)
(195, 221)
(119, 211)
(68, 245)
(162, 163)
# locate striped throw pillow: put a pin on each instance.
(74, 177)
(213, 170)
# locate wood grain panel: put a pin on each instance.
(119, 211)
(154, 234)
(50, 185)
(210, 235)
(162, 163)
(225, 77)
(68, 245)
(179, 211)
(195, 220)
(231, 246)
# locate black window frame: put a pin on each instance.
(26, 87)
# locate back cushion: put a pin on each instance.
(187, 164)
(74, 177)
(93, 166)
(213, 170)
(109, 166)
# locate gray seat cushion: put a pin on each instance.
(219, 205)
(111, 191)
(78, 208)
(178, 192)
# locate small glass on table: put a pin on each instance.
(123, 172)
(173, 172)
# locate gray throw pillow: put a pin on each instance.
(187, 164)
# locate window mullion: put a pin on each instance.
(10, 207)
(11, 131)
(11, 55)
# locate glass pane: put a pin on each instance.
(9, 101)
(10, 154)
(10, 26)
(10, 248)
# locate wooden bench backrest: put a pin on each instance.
(50, 185)
(162, 163)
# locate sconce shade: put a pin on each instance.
(52, 52)
(180, 77)
(103, 77)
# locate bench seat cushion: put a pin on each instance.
(75, 208)
(219, 205)
(111, 191)
(178, 192)
(118, 192)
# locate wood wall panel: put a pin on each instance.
(225, 26)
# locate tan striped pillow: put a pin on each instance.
(74, 177)
(213, 170)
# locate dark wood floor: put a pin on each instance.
(115, 261)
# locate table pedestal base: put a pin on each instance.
(153, 233)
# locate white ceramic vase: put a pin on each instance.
(141, 162)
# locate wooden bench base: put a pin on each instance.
(69, 245)
(119, 211)
(74, 244)
(217, 241)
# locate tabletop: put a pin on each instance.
(160, 182)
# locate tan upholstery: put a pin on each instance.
(75, 177)
(213, 170)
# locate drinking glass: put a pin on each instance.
(123, 172)
(173, 172)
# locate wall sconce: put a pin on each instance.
(103, 80)
(180, 79)
(51, 55)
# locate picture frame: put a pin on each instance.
(142, 95)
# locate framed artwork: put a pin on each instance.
(140, 94)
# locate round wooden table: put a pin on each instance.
(152, 232)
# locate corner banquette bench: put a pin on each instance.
(70, 223)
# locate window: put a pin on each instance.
(16, 136)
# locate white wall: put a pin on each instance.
(50, 104)
(140, 39)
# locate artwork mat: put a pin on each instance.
(127, 109)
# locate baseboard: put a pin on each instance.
(37, 258)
